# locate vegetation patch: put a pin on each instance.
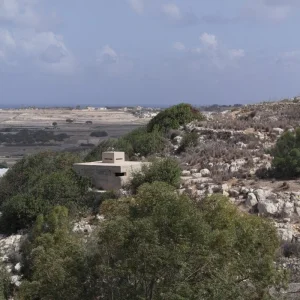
(174, 117)
(29, 137)
(286, 162)
(99, 134)
(36, 184)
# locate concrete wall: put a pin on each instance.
(108, 176)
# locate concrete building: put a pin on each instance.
(111, 173)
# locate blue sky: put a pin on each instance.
(148, 52)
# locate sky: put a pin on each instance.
(148, 52)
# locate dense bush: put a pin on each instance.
(5, 284)
(143, 142)
(174, 117)
(163, 246)
(37, 183)
(156, 245)
(99, 134)
(166, 170)
(53, 260)
(138, 141)
(286, 162)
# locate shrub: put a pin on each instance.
(20, 211)
(69, 120)
(189, 140)
(54, 124)
(37, 183)
(99, 134)
(89, 122)
(166, 170)
(143, 142)
(172, 248)
(174, 117)
(139, 141)
(286, 162)
(53, 260)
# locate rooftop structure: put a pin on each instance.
(111, 173)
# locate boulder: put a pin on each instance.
(16, 280)
(278, 131)
(197, 175)
(267, 208)
(17, 267)
(288, 209)
(233, 168)
(260, 195)
(202, 180)
(82, 227)
(244, 190)
(185, 173)
(225, 187)
(233, 193)
(251, 200)
(205, 173)
(285, 234)
(178, 139)
(226, 194)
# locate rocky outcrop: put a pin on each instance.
(11, 256)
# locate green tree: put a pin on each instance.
(137, 141)
(37, 183)
(5, 284)
(164, 246)
(174, 117)
(54, 260)
(286, 162)
(166, 170)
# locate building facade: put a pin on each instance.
(112, 173)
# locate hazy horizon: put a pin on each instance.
(147, 52)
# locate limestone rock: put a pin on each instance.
(197, 175)
(278, 131)
(260, 195)
(185, 173)
(251, 200)
(205, 173)
(267, 208)
(178, 139)
(82, 227)
(17, 267)
(233, 193)
(288, 209)
(16, 280)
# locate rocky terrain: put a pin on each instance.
(231, 157)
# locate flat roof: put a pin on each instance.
(101, 164)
